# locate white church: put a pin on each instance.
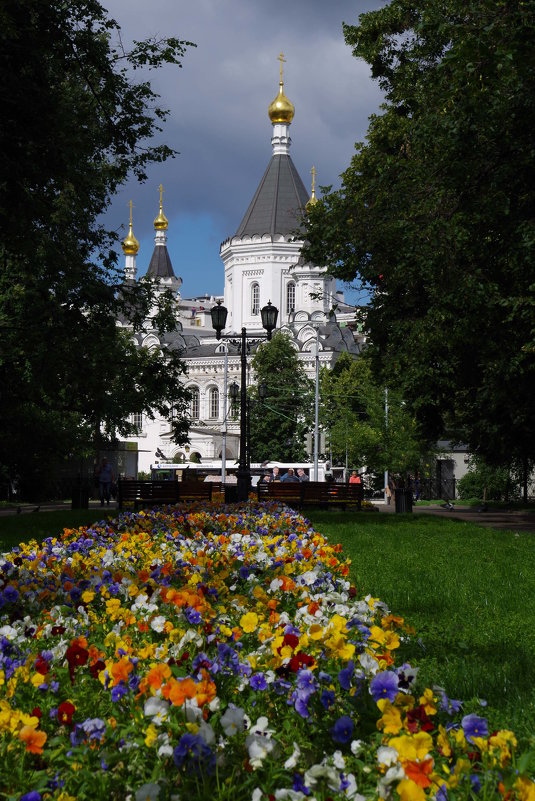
(261, 263)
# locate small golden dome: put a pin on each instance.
(281, 109)
(161, 222)
(130, 244)
(313, 199)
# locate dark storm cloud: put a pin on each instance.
(218, 101)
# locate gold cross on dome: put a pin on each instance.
(131, 206)
(313, 171)
(161, 195)
(282, 60)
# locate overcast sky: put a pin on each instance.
(218, 117)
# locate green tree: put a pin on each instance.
(362, 427)
(75, 125)
(278, 425)
(435, 216)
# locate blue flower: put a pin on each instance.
(33, 795)
(327, 698)
(474, 726)
(345, 676)
(11, 595)
(193, 752)
(119, 691)
(384, 685)
(342, 731)
(192, 615)
(258, 682)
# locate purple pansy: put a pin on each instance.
(384, 685)
(474, 726)
(342, 731)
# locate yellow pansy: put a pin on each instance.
(151, 735)
(410, 791)
(377, 635)
(249, 622)
(391, 640)
(413, 747)
(525, 789)
(338, 622)
(429, 702)
(88, 596)
(443, 742)
(390, 722)
(315, 631)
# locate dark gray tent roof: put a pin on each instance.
(278, 202)
(160, 264)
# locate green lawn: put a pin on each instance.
(468, 591)
(24, 527)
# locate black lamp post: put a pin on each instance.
(269, 316)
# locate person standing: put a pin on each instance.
(276, 474)
(354, 478)
(105, 478)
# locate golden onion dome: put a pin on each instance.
(161, 222)
(130, 244)
(281, 109)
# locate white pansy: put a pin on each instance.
(393, 774)
(9, 633)
(191, 710)
(322, 771)
(338, 760)
(214, 704)
(148, 792)
(356, 747)
(206, 732)
(232, 720)
(141, 601)
(309, 577)
(275, 584)
(291, 762)
(370, 665)
(386, 755)
(286, 794)
(259, 747)
(157, 624)
(257, 794)
(157, 709)
(351, 789)
(165, 749)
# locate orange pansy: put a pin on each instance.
(419, 771)
(33, 739)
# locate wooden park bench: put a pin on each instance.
(312, 493)
(160, 493)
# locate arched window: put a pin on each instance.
(194, 404)
(290, 297)
(214, 403)
(255, 299)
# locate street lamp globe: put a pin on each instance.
(269, 316)
(218, 314)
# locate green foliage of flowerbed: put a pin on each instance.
(229, 652)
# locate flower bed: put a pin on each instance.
(218, 654)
